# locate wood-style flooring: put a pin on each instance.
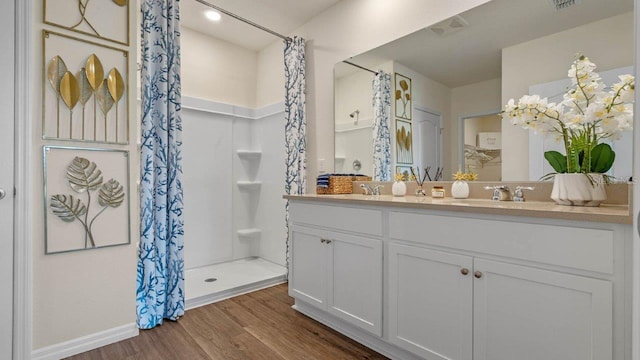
(259, 325)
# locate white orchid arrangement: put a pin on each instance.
(588, 114)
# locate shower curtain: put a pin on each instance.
(160, 274)
(381, 133)
(295, 127)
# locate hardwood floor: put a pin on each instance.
(259, 325)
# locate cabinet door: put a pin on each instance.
(355, 280)
(530, 314)
(308, 278)
(430, 302)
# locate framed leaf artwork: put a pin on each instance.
(103, 19)
(86, 197)
(84, 91)
(404, 142)
(403, 103)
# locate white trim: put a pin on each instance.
(268, 110)
(214, 107)
(86, 343)
(635, 256)
(22, 261)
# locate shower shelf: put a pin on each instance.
(249, 185)
(249, 154)
(249, 232)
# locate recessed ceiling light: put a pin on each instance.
(212, 15)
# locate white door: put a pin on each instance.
(429, 143)
(6, 177)
(530, 314)
(308, 278)
(430, 302)
(355, 280)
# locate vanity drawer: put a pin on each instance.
(364, 221)
(574, 247)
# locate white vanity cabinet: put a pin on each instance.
(529, 302)
(337, 272)
(521, 312)
(443, 304)
(431, 284)
(430, 302)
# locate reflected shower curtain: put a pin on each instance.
(295, 127)
(160, 277)
(381, 133)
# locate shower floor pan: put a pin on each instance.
(208, 284)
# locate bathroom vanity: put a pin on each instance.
(422, 278)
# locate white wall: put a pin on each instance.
(608, 43)
(346, 29)
(86, 292)
(217, 70)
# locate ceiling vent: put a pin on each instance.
(449, 26)
(563, 4)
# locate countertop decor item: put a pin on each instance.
(399, 188)
(460, 187)
(589, 114)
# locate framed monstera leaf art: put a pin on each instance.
(86, 196)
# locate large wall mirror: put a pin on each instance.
(461, 71)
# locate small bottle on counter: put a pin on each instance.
(437, 192)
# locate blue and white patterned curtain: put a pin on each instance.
(381, 133)
(160, 278)
(295, 128)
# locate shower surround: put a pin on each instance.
(233, 167)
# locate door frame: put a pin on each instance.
(22, 237)
(635, 257)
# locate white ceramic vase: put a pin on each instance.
(578, 189)
(460, 189)
(399, 188)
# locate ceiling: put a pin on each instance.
(473, 54)
(281, 16)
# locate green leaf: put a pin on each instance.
(83, 175)
(602, 158)
(557, 161)
(66, 207)
(111, 193)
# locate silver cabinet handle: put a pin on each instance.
(3, 193)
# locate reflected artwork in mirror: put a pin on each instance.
(470, 65)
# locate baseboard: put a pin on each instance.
(85, 343)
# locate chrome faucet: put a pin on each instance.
(500, 192)
(368, 190)
(518, 194)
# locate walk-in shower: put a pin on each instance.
(233, 210)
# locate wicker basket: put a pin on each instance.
(341, 184)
